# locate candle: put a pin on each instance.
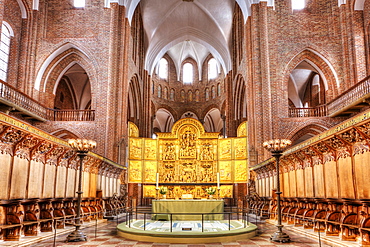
(157, 180)
(218, 180)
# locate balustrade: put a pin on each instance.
(350, 96)
(12, 96)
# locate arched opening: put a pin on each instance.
(213, 121)
(163, 121)
(73, 90)
(306, 90)
(134, 101)
(306, 133)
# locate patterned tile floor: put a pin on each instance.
(106, 236)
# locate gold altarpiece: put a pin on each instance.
(187, 160)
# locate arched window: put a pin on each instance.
(165, 93)
(172, 94)
(163, 69)
(187, 73)
(207, 94)
(6, 33)
(298, 4)
(79, 3)
(197, 95)
(219, 89)
(212, 69)
(213, 92)
(190, 96)
(159, 91)
(182, 96)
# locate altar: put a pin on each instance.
(162, 209)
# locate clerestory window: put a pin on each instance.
(163, 69)
(298, 4)
(212, 69)
(187, 73)
(6, 33)
(79, 3)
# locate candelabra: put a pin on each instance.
(82, 147)
(277, 147)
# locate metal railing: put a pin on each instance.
(240, 215)
(23, 103)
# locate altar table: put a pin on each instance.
(162, 209)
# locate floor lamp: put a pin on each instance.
(277, 147)
(82, 147)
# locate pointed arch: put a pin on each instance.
(54, 65)
(239, 98)
(164, 119)
(312, 124)
(323, 67)
(307, 132)
(66, 134)
(134, 100)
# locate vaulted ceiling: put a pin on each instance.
(187, 29)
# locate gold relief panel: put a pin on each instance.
(207, 150)
(242, 130)
(188, 137)
(168, 150)
(149, 191)
(240, 148)
(150, 171)
(167, 172)
(226, 191)
(135, 148)
(225, 170)
(150, 152)
(187, 172)
(135, 171)
(133, 130)
(241, 171)
(224, 149)
(207, 172)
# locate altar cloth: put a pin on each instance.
(188, 209)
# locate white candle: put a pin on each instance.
(156, 180)
(218, 180)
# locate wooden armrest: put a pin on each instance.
(333, 222)
(9, 226)
(30, 222)
(351, 226)
(44, 220)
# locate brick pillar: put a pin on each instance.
(261, 81)
(348, 57)
(117, 86)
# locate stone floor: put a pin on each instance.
(106, 235)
